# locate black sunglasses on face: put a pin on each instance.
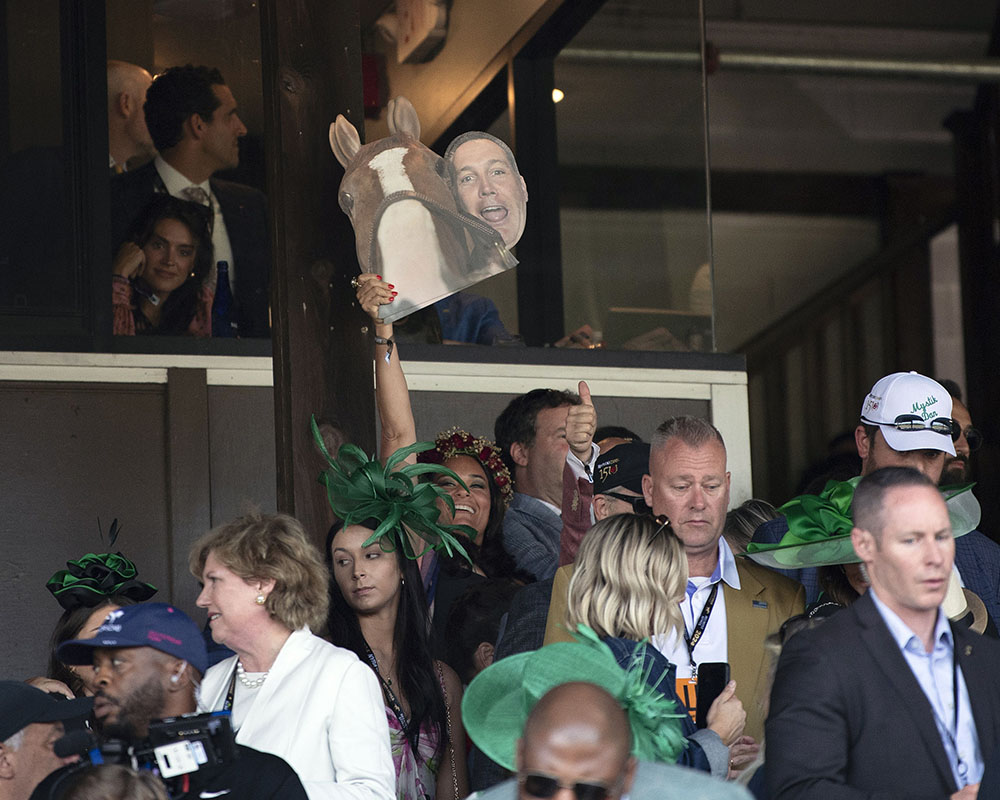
(974, 437)
(539, 784)
(914, 422)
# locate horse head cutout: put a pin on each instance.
(408, 227)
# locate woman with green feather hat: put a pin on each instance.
(388, 518)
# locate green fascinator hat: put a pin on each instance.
(361, 488)
(88, 580)
(497, 702)
(819, 526)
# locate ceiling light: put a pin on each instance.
(557, 95)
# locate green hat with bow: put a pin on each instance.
(819, 526)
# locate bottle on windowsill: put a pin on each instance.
(222, 306)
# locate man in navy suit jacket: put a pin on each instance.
(887, 699)
(192, 118)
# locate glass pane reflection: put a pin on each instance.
(38, 268)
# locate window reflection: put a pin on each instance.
(203, 116)
(38, 272)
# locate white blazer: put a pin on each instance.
(322, 711)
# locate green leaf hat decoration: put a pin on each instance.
(499, 699)
(361, 488)
(819, 526)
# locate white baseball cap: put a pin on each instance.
(913, 411)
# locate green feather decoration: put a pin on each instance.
(655, 720)
(360, 488)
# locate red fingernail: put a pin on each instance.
(391, 299)
(379, 277)
(392, 286)
(395, 293)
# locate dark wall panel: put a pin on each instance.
(476, 412)
(68, 455)
(241, 436)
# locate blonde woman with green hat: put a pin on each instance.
(499, 701)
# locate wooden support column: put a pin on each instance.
(976, 177)
(189, 480)
(322, 353)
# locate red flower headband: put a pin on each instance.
(456, 442)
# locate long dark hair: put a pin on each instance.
(490, 556)
(67, 627)
(418, 679)
(182, 304)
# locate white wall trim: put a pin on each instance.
(132, 368)
(725, 391)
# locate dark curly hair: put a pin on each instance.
(182, 304)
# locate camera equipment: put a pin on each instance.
(175, 747)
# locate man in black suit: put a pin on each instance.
(192, 117)
(887, 699)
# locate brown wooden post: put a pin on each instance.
(322, 355)
(975, 172)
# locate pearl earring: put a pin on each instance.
(261, 599)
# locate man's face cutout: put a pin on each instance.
(489, 188)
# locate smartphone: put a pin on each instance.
(712, 679)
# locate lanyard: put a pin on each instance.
(390, 698)
(228, 704)
(961, 766)
(699, 629)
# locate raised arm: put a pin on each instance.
(391, 394)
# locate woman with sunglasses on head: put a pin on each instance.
(630, 575)
(163, 279)
(378, 610)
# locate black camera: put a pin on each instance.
(174, 747)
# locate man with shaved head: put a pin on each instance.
(576, 734)
(129, 142)
(577, 744)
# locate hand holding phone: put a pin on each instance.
(712, 679)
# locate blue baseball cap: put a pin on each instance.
(155, 625)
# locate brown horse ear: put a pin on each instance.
(344, 140)
(403, 118)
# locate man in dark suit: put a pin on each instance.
(531, 434)
(887, 699)
(192, 117)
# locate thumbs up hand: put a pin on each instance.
(581, 422)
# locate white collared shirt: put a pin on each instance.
(175, 182)
(713, 645)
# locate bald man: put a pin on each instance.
(578, 736)
(129, 142)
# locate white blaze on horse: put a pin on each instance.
(408, 227)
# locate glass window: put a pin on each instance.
(39, 263)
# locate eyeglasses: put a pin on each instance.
(914, 422)
(539, 784)
(638, 502)
(974, 437)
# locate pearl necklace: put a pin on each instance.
(250, 683)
